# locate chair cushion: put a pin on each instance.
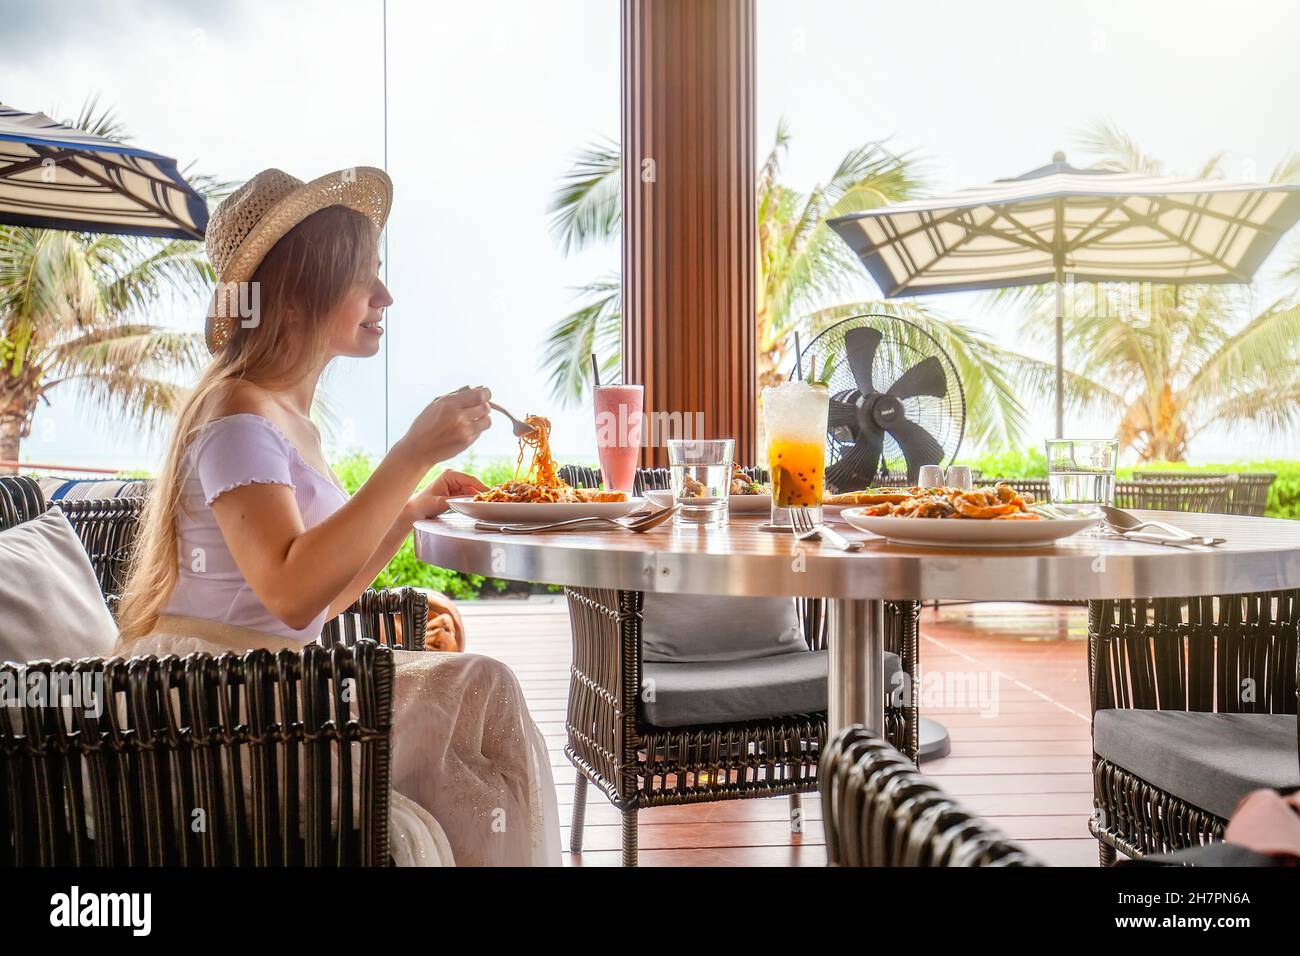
(725, 692)
(50, 603)
(1209, 760)
(681, 628)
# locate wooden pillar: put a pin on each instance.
(689, 257)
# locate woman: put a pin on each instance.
(250, 541)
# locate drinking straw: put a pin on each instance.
(595, 371)
(798, 362)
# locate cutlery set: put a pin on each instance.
(637, 523)
(1122, 524)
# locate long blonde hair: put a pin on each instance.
(304, 276)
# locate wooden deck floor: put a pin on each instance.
(1008, 680)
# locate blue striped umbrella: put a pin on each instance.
(56, 177)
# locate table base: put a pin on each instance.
(856, 692)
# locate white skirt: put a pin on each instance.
(471, 777)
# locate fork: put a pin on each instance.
(521, 429)
(806, 530)
(637, 525)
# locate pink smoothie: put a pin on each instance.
(618, 433)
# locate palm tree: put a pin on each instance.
(75, 314)
(803, 266)
(1178, 361)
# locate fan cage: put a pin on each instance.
(943, 417)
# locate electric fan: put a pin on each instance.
(896, 401)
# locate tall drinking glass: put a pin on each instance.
(1081, 473)
(794, 416)
(619, 417)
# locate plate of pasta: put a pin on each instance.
(990, 517)
(537, 494)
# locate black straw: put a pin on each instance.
(798, 357)
(595, 371)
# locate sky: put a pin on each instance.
(487, 104)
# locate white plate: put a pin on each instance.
(958, 533)
(534, 512)
(835, 512)
(736, 504)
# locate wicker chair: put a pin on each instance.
(20, 499)
(637, 764)
(1208, 493)
(205, 761)
(175, 735)
(1180, 657)
(1199, 494)
(1247, 493)
(877, 810)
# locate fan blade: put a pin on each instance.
(857, 469)
(918, 445)
(860, 346)
(842, 415)
(924, 378)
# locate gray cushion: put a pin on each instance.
(1209, 760)
(723, 692)
(694, 627)
(50, 603)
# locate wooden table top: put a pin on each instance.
(1261, 554)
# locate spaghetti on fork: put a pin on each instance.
(540, 482)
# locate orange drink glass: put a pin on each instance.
(794, 416)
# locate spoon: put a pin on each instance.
(521, 429)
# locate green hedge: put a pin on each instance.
(406, 570)
(1283, 497)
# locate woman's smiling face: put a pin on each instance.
(356, 322)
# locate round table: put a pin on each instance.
(1260, 554)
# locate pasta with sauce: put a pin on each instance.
(540, 481)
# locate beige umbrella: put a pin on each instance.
(1060, 222)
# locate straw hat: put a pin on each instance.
(259, 213)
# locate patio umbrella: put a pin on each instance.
(56, 177)
(1087, 224)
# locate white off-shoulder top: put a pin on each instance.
(228, 453)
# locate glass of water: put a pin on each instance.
(701, 477)
(1081, 473)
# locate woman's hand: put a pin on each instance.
(432, 500)
(448, 425)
